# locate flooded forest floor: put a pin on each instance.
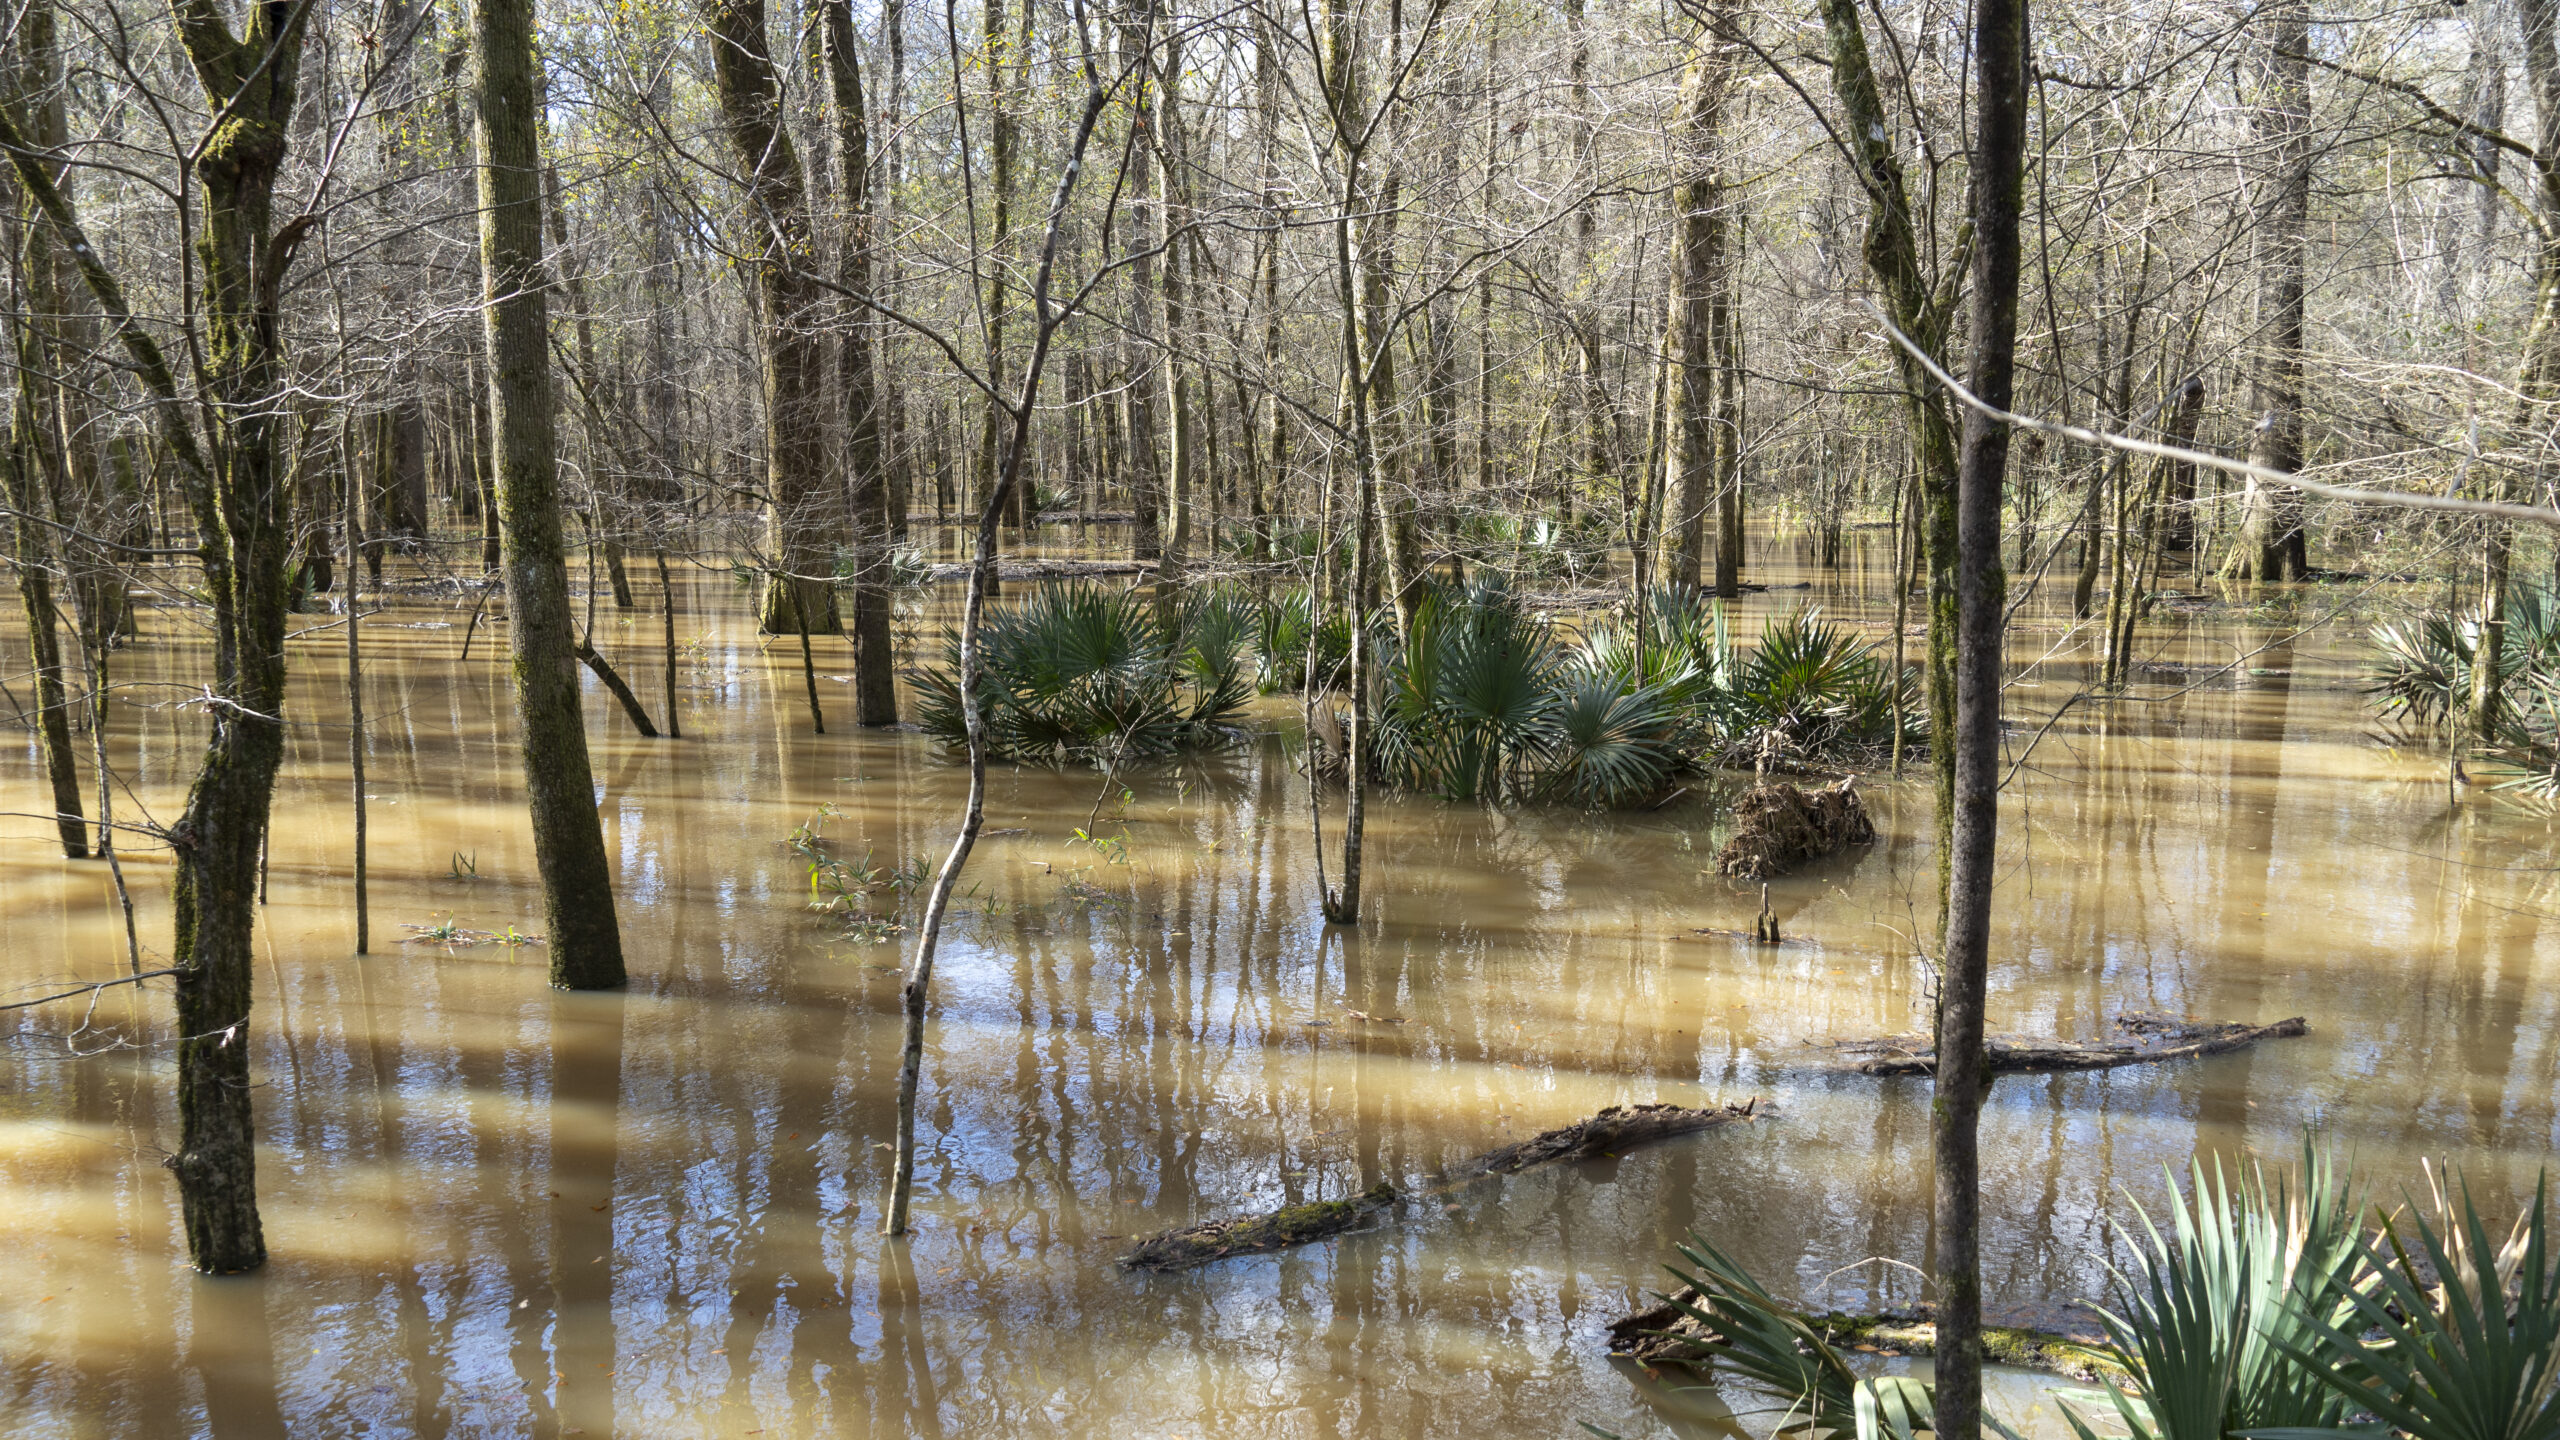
(496, 1209)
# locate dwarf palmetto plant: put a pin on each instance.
(1077, 673)
(2468, 1349)
(2213, 1318)
(1287, 626)
(2422, 664)
(1467, 701)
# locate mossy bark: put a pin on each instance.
(585, 939)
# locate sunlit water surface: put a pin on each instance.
(495, 1209)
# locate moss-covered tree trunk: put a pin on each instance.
(1892, 251)
(568, 844)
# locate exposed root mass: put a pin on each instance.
(1778, 827)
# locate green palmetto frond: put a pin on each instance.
(2474, 1355)
(1095, 676)
(1773, 1349)
(2211, 1319)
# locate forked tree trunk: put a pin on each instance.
(585, 940)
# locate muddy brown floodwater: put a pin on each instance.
(499, 1210)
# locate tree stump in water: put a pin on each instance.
(1778, 827)
(2142, 1038)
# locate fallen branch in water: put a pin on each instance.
(2059, 1340)
(2143, 1038)
(90, 989)
(1613, 1130)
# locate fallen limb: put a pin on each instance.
(1611, 1132)
(2057, 1339)
(2141, 1038)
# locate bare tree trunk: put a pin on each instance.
(1962, 1077)
(875, 679)
(2284, 131)
(584, 939)
(1698, 296)
(806, 515)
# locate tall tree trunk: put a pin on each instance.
(1183, 467)
(585, 941)
(2284, 132)
(805, 518)
(2537, 372)
(35, 106)
(1962, 1075)
(1698, 294)
(875, 680)
(1892, 252)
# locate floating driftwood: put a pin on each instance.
(2057, 1339)
(2142, 1037)
(1616, 1129)
(1778, 827)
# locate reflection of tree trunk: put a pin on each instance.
(2263, 719)
(586, 1152)
(584, 940)
(2284, 129)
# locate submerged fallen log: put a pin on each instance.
(1777, 827)
(2141, 1038)
(1612, 1131)
(2057, 1339)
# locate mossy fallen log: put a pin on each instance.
(1611, 1132)
(1777, 827)
(2141, 1038)
(2059, 1340)
(1255, 1234)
